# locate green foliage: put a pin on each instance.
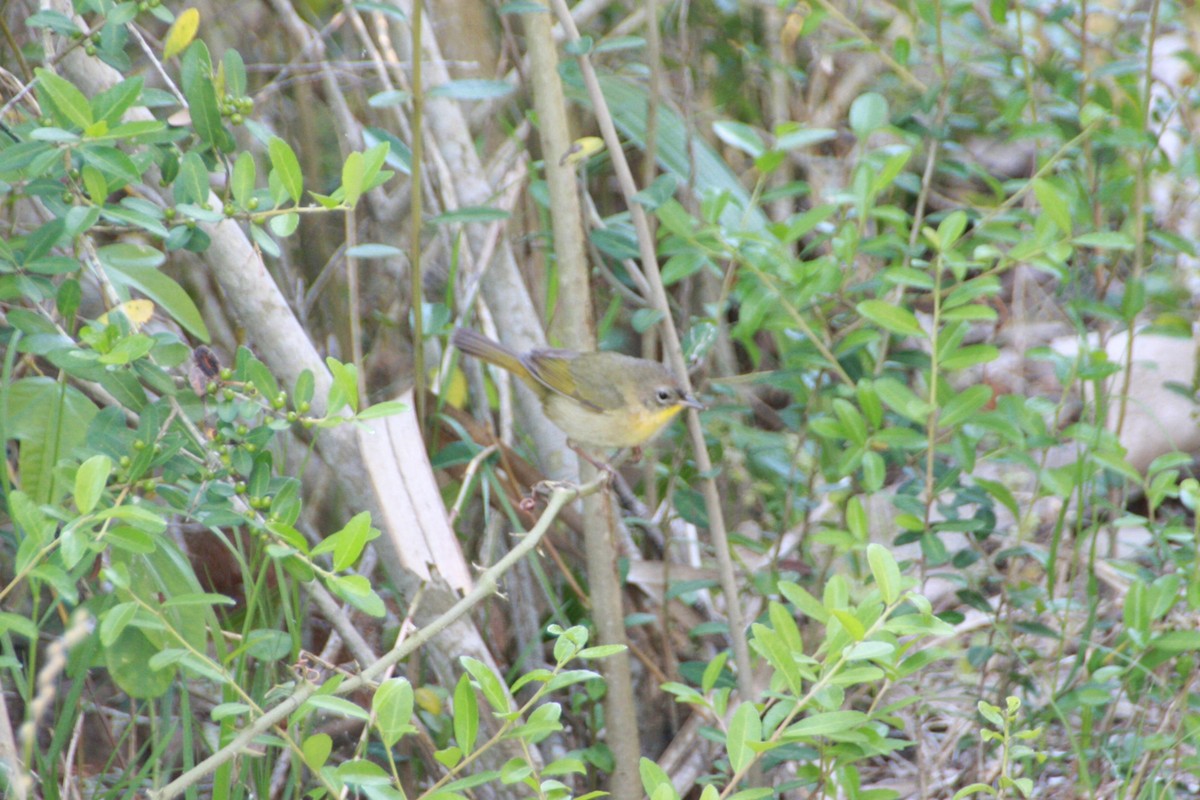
(1002, 731)
(163, 436)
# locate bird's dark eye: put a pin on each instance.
(663, 394)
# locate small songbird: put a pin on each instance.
(603, 400)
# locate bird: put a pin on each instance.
(599, 399)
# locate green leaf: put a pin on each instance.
(489, 684)
(771, 646)
(793, 137)
(683, 265)
(229, 710)
(466, 715)
(286, 167)
(753, 794)
(362, 773)
(316, 749)
(90, 480)
(449, 757)
(70, 104)
(357, 591)
(395, 97)
(579, 47)
(868, 113)
(244, 174)
(826, 724)
(50, 420)
(969, 313)
(885, 571)
(191, 184)
(200, 599)
(907, 276)
(472, 89)
(338, 706)
(1054, 203)
(261, 377)
(970, 356)
(964, 405)
(542, 722)
(741, 136)
(20, 156)
(1105, 240)
(891, 317)
(128, 662)
(302, 393)
(129, 265)
(201, 96)
(471, 214)
(138, 516)
(284, 225)
(344, 390)
(1177, 641)
(127, 350)
(111, 161)
(392, 706)
(713, 671)
(351, 540)
(266, 644)
(745, 730)
(95, 183)
(653, 777)
(601, 651)
(891, 169)
(902, 400)
(234, 70)
(373, 159)
(951, 228)
(864, 651)
(374, 250)
(570, 677)
(807, 604)
(387, 408)
(116, 619)
(352, 179)
(53, 20)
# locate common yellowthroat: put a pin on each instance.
(605, 400)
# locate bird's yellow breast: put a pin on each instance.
(630, 426)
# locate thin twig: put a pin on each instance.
(484, 588)
(674, 352)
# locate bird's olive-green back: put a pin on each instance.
(603, 381)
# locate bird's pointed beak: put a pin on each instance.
(691, 402)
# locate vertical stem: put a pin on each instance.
(576, 326)
(1139, 208)
(355, 309)
(414, 237)
(674, 352)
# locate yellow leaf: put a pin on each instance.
(582, 149)
(428, 700)
(454, 389)
(183, 30)
(138, 312)
(793, 26)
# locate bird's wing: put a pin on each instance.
(553, 369)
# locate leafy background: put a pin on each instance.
(931, 266)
